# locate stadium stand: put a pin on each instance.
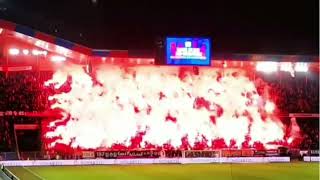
(25, 91)
(24, 98)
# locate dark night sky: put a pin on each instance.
(261, 26)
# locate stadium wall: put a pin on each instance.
(145, 161)
(311, 159)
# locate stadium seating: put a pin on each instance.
(25, 91)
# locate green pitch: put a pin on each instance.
(281, 171)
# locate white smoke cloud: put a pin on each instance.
(138, 99)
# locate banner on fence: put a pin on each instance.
(198, 154)
(272, 152)
(128, 154)
(311, 158)
(88, 154)
(145, 161)
(259, 153)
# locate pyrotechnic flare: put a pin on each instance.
(163, 105)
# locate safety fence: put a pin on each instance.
(141, 153)
(145, 161)
(5, 174)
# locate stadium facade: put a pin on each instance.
(23, 48)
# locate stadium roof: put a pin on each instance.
(263, 27)
(57, 41)
(55, 45)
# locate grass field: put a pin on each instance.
(281, 171)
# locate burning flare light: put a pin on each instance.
(164, 104)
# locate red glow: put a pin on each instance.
(172, 107)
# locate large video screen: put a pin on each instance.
(188, 51)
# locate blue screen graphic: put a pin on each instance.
(188, 51)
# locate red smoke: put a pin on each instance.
(172, 107)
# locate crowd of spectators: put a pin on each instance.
(6, 143)
(20, 91)
(25, 91)
(310, 133)
(299, 94)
